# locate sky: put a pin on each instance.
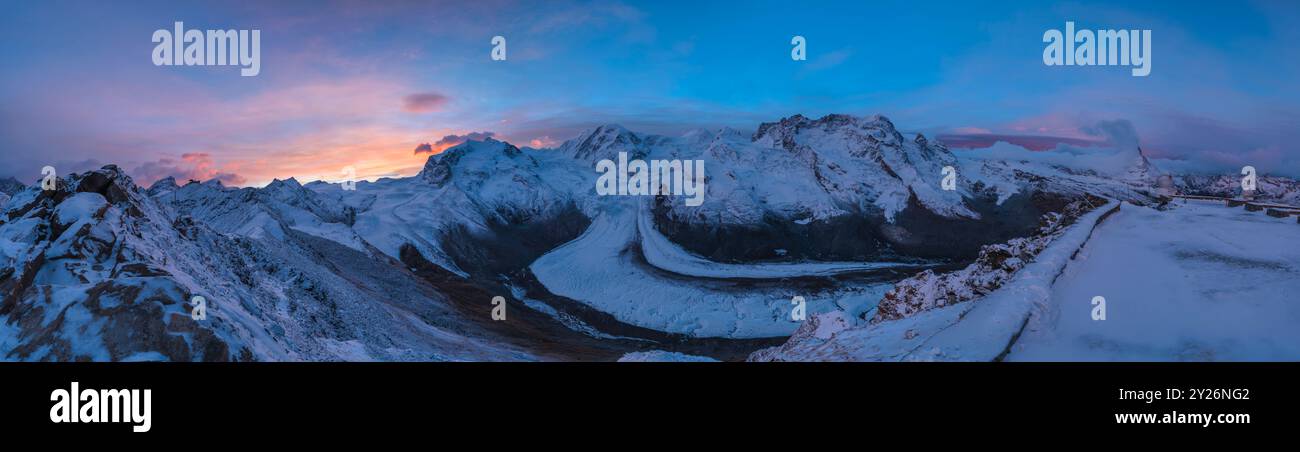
(381, 86)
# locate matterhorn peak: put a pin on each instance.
(1142, 171)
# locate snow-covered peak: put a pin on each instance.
(289, 191)
(877, 127)
(1142, 172)
(168, 182)
(270, 211)
(865, 161)
(697, 134)
(604, 142)
(109, 181)
(481, 157)
(11, 186)
(164, 185)
(920, 140)
(290, 182)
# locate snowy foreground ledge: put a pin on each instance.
(979, 330)
(1195, 282)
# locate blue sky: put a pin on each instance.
(340, 80)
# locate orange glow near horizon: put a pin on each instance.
(373, 154)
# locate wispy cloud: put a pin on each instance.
(191, 166)
(424, 102)
(451, 140)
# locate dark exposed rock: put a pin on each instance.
(129, 306)
(994, 266)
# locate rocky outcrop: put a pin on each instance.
(996, 264)
(82, 285)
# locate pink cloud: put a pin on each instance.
(1038, 133)
(969, 130)
(424, 102)
(191, 166)
(451, 140)
(543, 142)
(1031, 142)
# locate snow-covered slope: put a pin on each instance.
(86, 278)
(1124, 174)
(99, 270)
(475, 185)
(865, 162)
(1196, 282)
(1267, 188)
(976, 330)
(1191, 281)
(260, 212)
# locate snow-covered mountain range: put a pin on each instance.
(834, 210)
